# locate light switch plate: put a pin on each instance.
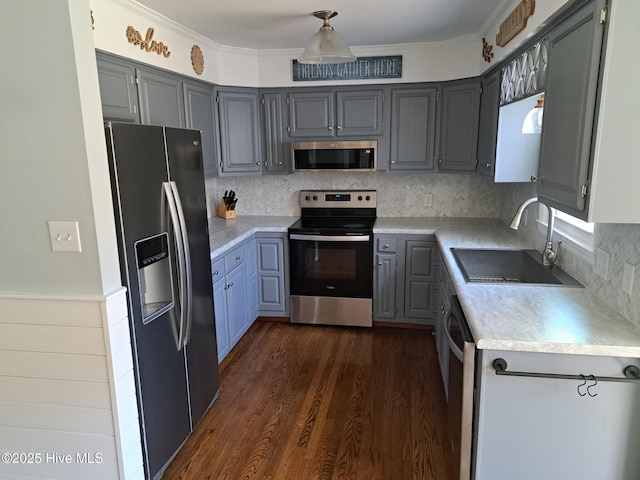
(65, 236)
(627, 278)
(428, 200)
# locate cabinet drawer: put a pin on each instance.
(234, 257)
(386, 245)
(217, 269)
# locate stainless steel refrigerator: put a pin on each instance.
(161, 221)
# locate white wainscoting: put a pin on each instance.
(67, 389)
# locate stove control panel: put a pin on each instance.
(338, 198)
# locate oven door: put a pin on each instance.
(331, 279)
(331, 265)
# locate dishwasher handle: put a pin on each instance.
(452, 345)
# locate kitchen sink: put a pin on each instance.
(509, 267)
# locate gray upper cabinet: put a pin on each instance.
(199, 103)
(488, 125)
(459, 127)
(239, 128)
(329, 113)
(277, 153)
(359, 113)
(161, 98)
(570, 104)
(413, 128)
(118, 89)
(311, 114)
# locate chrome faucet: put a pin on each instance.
(549, 256)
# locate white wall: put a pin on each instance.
(52, 152)
(66, 373)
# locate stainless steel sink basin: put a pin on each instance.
(509, 267)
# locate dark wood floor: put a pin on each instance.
(312, 402)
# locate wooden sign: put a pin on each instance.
(147, 43)
(364, 68)
(197, 59)
(515, 22)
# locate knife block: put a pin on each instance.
(224, 212)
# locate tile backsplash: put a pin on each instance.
(399, 195)
(620, 241)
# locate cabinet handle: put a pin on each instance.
(488, 165)
(339, 127)
(279, 163)
(534, 178)
(392, 162)
(258, 163)
(226, 287)
(231, 285)
(436, 264)
(330, 128)
(380, 263)
(386, 245)
(238, 257)
(215, 273)
(439, 160)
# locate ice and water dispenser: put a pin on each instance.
(155, 277)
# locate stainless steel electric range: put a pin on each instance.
(331, 258)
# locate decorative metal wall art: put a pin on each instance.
(526, 75)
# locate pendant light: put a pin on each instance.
(326, 46)
(533, 121)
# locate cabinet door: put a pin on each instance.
(161, 99)
(418, 280)
(359, 113)
(385, 286)
(118, 90)
(239, 127)
(251, 290)
(271, 284)
(569, 107)
(413, 128)
(277, 154)
(236, 303)
(488, 125)
(222, 318)
(311, 114)
(459, 127)
(200, 115)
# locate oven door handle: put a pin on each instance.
(330, 238)
(452, 345)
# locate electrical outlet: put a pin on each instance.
(627, 278)
(428, 200)
(65, 236)
(602, 264)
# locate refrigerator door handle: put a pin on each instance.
(182, 273)
(187, 261)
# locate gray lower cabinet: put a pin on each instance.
(272, 289)
(238, 118)
(569, 110)
(200, 109)
(404, 279)
(443, 292)
(488, 124)
(251, 288)
(230, 298)
(458, 139)
(118, 89)
(554, 428)
(277, 151)
(413, 129)
(161, 98)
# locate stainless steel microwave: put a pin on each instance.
(332, 156)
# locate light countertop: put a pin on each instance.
(551, 319)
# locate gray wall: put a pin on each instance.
(52, 151)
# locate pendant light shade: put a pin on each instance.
(533, 121)
(326, 46)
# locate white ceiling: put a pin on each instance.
(284, 24)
